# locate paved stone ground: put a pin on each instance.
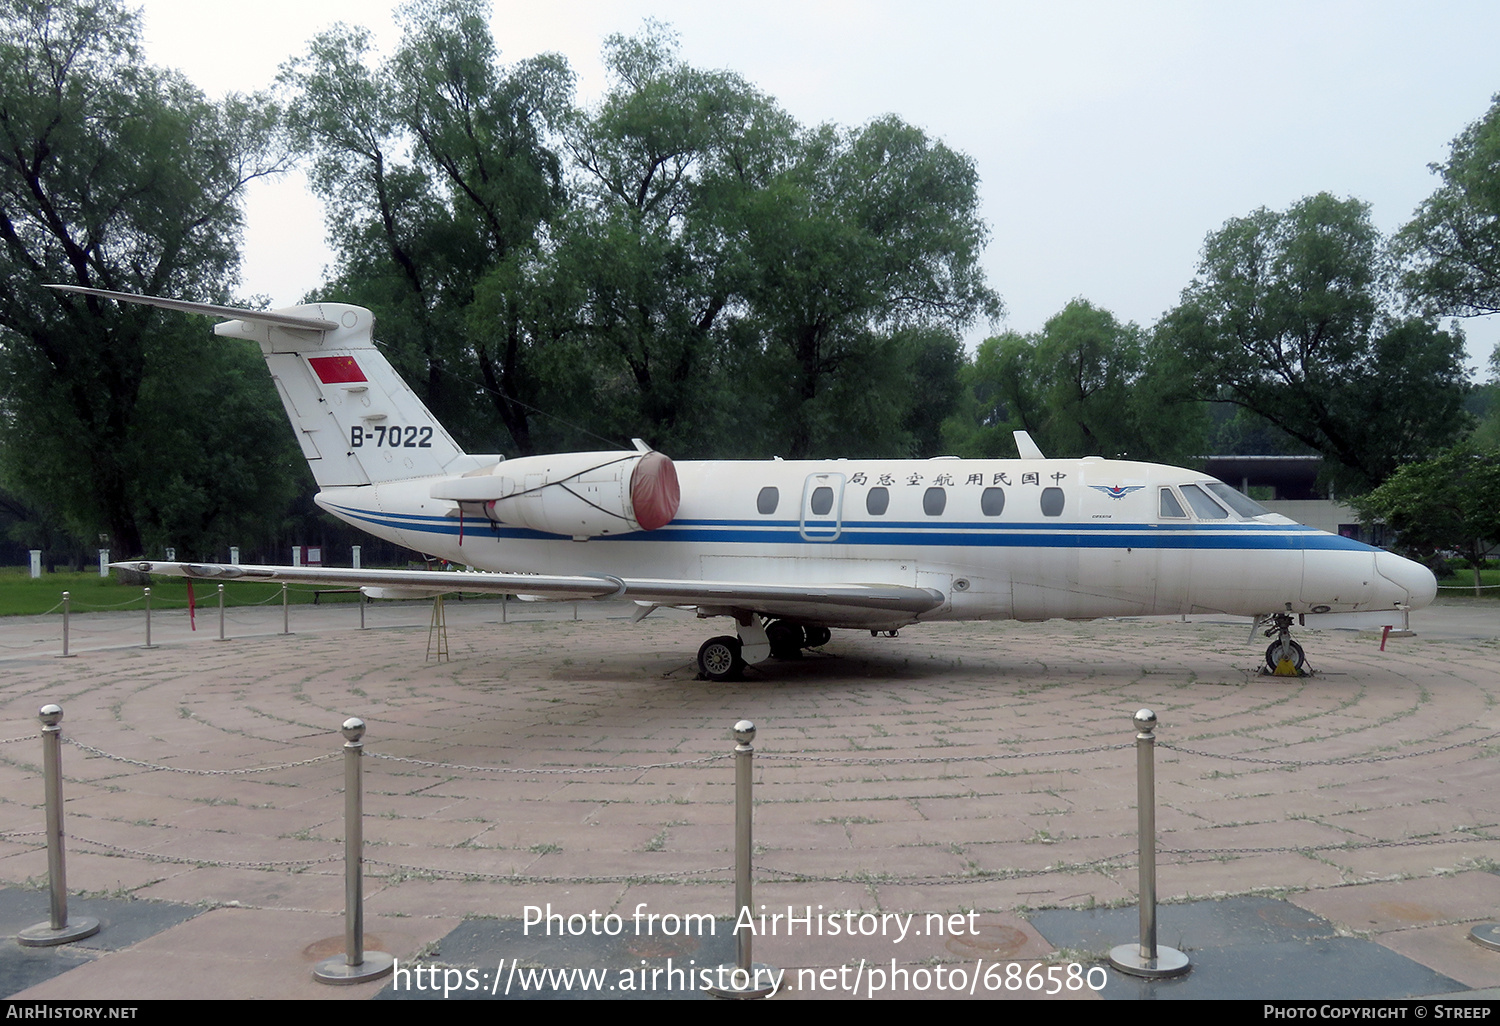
(957, 768)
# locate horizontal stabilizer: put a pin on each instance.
(281, 320)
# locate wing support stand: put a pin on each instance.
(437, 632)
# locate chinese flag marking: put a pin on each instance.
(336, 370)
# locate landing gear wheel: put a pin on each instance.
(719, 658)
(817, 637)
(1294, 653)
(786, 639)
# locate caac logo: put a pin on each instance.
(1117, 491)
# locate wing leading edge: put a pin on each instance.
(772, 599)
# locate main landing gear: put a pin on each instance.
(1284, 657)
(723, 658)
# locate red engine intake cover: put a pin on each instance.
(654, 492)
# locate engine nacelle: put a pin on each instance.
(577, 494)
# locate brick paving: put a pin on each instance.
(984, 767)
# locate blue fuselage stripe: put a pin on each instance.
(908, 534)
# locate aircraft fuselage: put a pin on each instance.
(999, 539)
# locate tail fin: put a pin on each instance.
(357, 422)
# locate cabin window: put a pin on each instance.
(1171, 509)
(877, 501)
(767, 499)
(1052, 502)
(992, 502)
(1206, 508)
(821, 501)
(934, 501)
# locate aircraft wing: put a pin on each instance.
(862, 601)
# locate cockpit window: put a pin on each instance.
(1171, 509)
(1206, 508)
(1236, 500)
(766, 501)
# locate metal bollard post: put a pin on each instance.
(221, 612)
(58, 930)
(286, 616)
(362, 599)
(357, 965)
(66, 603)
(1147, 958)
(148, 619)
(746, 978)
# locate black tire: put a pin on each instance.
(719, 658)
(786, 639)
(817, 637)
(1273, 653)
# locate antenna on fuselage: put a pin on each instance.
(1027, 449)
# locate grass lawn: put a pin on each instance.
(1462, 583)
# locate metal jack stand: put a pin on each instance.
(437, 632)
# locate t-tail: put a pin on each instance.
(357, 422)
(360, 425)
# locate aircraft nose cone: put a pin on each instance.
(1415, 581)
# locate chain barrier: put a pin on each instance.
(1303, 849)
(183, 860)
(792, 759)
(1358, 760)
(461, 874)
(718, 874)
(704, 761)
(133, 627)
(107, 607)
(875, 760)
(90, 749)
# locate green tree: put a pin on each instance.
(1449, 502)
(1289, 317)
(1452, 244)
(440, 173)
(118, 175)
(659, 166)
(1085, 385)
(867, 231)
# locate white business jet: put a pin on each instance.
(788, 550)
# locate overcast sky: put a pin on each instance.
(1110, 137)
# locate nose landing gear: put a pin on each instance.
(1284, 657)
